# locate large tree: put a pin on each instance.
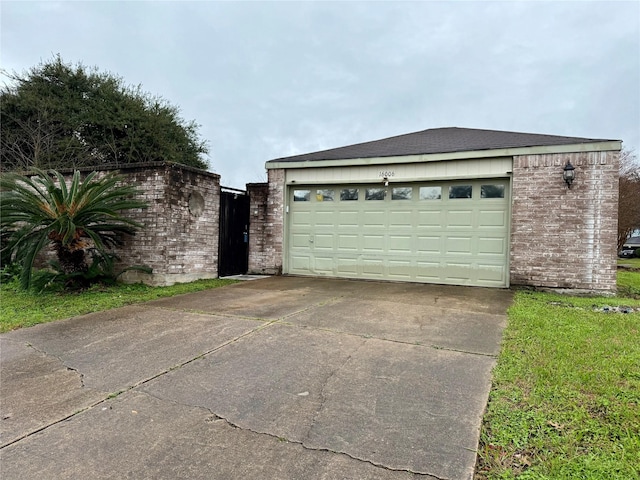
(58, 115)
(629, 198)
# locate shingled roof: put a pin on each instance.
(439, 140)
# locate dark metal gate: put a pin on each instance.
(233, 253)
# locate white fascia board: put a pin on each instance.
(613, 145)
(396, 181)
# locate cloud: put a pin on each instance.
(267, 80)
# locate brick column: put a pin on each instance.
(274, 229)
(258, 196)
(560, 237)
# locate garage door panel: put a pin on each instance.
(300, 240)
(323, 242)
(421, 238)
(492, 218)
(373, 218)
(324, 219)
(401, 219)
(492, 246)
(373, 267)
(324, 265)
(301, 218)
(429, 244)
(460, 219)
(373, 243)
(400, 244)
(459, 245)
(300, 262)
(458, 272)
(346, 266)
(429, 271)
(347, 219)
(348, 242)
(430, 218)
(491, 275)
(400, 269)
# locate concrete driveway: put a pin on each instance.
(277, 378)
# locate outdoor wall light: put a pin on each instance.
(569, 174)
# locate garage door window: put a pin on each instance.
(430, 193)
(460, 191)
(401, 193)
(374, 194)
(492, 191)
(301, 195)
(324, 195)
(347, 194)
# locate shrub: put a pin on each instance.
(80, 222)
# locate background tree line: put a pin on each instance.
(58, 115)
(629, 197)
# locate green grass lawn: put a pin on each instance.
(632, 262)
(24, 309)
(565, 400)
(635, 262)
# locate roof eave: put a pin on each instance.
(601, 146)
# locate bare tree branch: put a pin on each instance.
(629, 196)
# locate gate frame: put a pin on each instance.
(233, 241)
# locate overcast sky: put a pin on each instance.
(272, 79)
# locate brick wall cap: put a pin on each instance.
(132, 167)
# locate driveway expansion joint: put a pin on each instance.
(198, 357)
(51, 424)
(212, 314)
(310, 307)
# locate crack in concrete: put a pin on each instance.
(457, 350)
(113, 395)
(295, 442)
(244, 317)
(211, 314)
(264, 324)
(79, 373)
(323, 398)
(383, 339)
(69, 368)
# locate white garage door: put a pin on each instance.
(437, 232)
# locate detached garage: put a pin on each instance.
(449, 206)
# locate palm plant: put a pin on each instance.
(80, 220)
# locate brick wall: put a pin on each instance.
(179, 240)
(266, 224)
(560, 237)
